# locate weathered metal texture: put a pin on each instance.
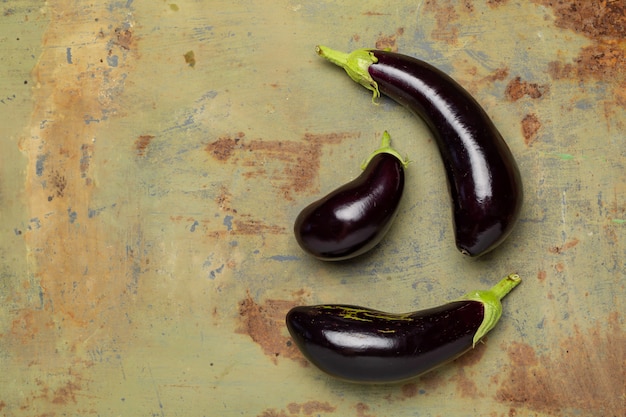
(155, 155)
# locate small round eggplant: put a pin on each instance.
(483, 177)
(359, 344)
(354, 218)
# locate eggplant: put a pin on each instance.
(483, 178)
(358, 344)
(354, 218)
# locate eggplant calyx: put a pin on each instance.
(385, 147)
(355, 63)
(490, 299)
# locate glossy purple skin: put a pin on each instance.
(483, 177)
(377, 347)
(353, 219)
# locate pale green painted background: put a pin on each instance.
(146, 271)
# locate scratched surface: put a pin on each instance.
(155, 155)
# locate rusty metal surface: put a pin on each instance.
(155, 155)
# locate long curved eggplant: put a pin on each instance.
(359, 344)
(483, 177)
(354, 218)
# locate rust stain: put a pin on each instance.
(141, 144)
(530, 128)
(124, 38)
(389, 41)
(604, 23)
(293, 166)
(74, 283)
(594, 19)
(362, 410)
(516, 89)
(262, 323)
(496, 3)
(310, 407)
(409, 390)
(541, 275)
(586, 374)
(446, 15)
(498, 74)
(567, 245)
(372, 13)
(465, 386)
(54, 390)
(299, 409)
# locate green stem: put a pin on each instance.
(355, 63)
(491, 302)
(385, 147)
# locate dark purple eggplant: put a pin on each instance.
(483, 177)
(363, 345)
(353, 219)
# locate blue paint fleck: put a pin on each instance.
(72, 215)
(210, 94)
(91, 213)
(214, 273)
(112, 60)
(193, 226)
(228, 222)
(68, 55)
(35, 223)
(283, 258)
(39, 165)
(90, 119)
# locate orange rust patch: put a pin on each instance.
(371, 13)
(222, 148)
(262, 322)
(310, 407)
(498, 74)
(604, 22)
(409, 390)
(141, 144)
(541, 275)
(389, 41)
(567, 245)
(124, 38)
(496, 3)
(465, 386)
(594, 19)
(445, 15)
(28, 325)
(298, 409)
(604, 62)
(516, 89)
(295, 165)
(362, 410)
(530, 127)
(67, 255)
(585, 374)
